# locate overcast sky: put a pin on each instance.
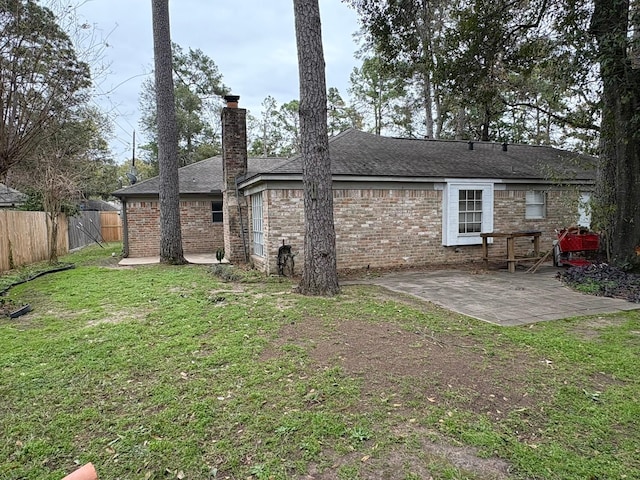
(251, 41)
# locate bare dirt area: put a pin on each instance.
(426, 367)
(411, 373)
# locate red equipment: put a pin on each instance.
(573, 245)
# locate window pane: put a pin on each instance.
(258, 234)
(470, 211)
(535, 205)
(216, 212)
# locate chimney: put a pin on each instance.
(504, 146)
(232, 100)
(470, 145)
(234, 165)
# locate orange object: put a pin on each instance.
(87, 472)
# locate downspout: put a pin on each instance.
(125, 229)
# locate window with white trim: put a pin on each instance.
(535, 205)
(584, 210)
(258, 232)
(467, 211)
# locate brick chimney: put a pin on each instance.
(234, 165)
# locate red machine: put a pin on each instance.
(574, 246)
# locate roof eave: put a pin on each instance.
(259, 178)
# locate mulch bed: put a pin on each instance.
(603, 280)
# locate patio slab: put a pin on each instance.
(500, 297)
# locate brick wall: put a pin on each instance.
(199, 233)
(509, 208)
(387, 227)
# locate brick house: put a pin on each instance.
(396, 201)
(201, 210)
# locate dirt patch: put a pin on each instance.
(400, 463)
(413, 366)
(411, 372)
(591, 329)
(118, 317)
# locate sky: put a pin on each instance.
(251, 41)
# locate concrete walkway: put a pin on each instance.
(500, 297)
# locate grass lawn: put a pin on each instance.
(165, 372)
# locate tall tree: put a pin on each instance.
(267, 135)
(198, 91)
(289, 122)
(41, 79)
(319, 275)
(409, 36)
(618, 194)
(170, 232)
(375, 90)
(341, 116)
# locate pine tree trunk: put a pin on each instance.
(618, 188)
(170, 233)
(319, 275)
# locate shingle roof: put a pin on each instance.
(203, 177)
(356, 153)
(10, 197)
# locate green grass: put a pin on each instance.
(171, 372)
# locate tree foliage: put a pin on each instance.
(489, 69)
(376, 91)
(41, 79)
(276, 132)
(265, 131)
(198, 91)
(340, 115)
(71, 164)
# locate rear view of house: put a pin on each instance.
(397, 202)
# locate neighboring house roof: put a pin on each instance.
(359, 154)
(10, 197)
(203, 177)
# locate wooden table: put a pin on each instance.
(511, 247)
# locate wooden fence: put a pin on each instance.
(111, 226)
(23, 238)
(23, 235)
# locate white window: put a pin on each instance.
(258, 233)
(584, 210)
(536, 205)
(467, 211)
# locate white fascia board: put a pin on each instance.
(267, 177)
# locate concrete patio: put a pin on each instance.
(500, 297)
